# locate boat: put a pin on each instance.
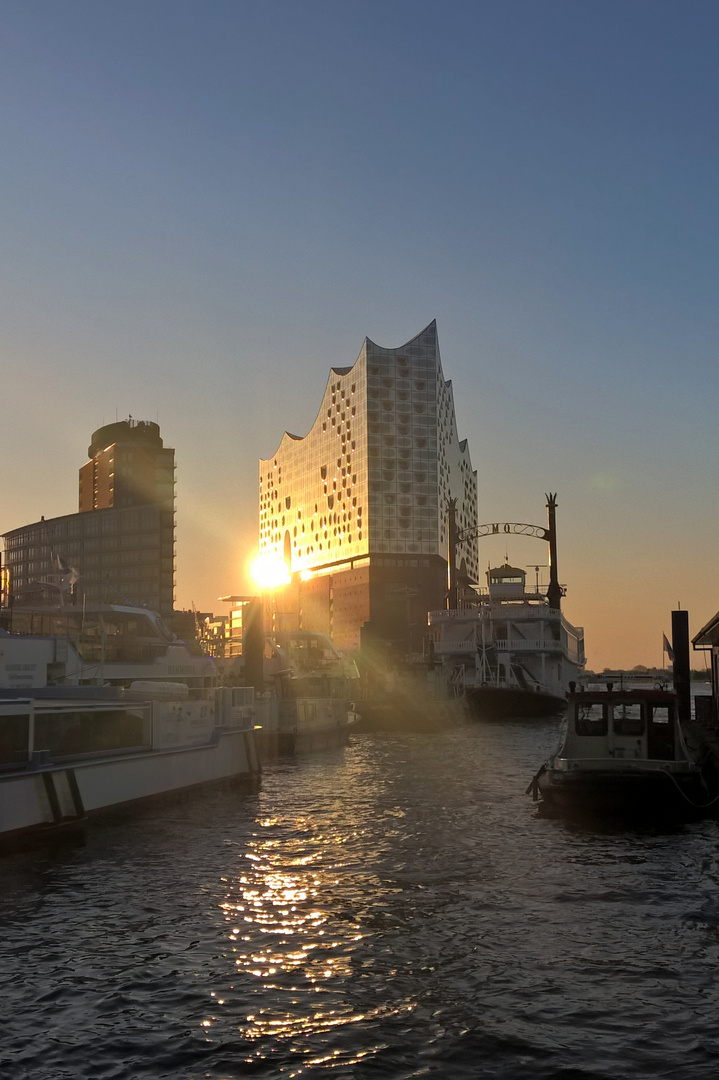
(48, 648)
(624, 752)
(310, 689)
(63, 758)
(508, 649)
(303, 687)
(102, 706)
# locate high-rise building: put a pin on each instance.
(357, 508)
(120, 547)
(129, 466)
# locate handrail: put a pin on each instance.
(485, 613)
(511, 645)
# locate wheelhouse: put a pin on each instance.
(639, 725)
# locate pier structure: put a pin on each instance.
(707, 640)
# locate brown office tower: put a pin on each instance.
(120, 548)
(128, 466)
(358, 507)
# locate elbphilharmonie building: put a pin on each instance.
(357, 508)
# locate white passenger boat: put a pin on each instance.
(96, 645)
(104, 706)
(64, 758)
(507, 649)
(624, 752)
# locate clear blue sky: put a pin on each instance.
(206, 204)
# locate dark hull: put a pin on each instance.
(501, 702)
(650, 796)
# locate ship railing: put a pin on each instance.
(519, 645)
(452, 647)
(484, 613)
(445, 615)
(511, 645)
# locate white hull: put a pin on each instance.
(58, 794)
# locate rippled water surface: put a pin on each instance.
(397, 907)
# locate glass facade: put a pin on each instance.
(375, 473)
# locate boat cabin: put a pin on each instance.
(95, 644)
(625, 724)
(506, 582)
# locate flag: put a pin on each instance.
(668, 649)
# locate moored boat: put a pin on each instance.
(508, 649)
(312, 696)
(306, 691)
(623, 752)
(65, 757)
(105, 705)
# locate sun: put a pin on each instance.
(269, 571)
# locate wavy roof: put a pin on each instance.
(430, 331)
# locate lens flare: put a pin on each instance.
(269, 571)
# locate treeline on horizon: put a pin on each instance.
(697, 675)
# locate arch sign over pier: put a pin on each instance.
(517, 528)
(499, 528)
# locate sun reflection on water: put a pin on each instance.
(292, 937)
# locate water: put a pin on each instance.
(395, 908)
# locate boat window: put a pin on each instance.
(92, 731)
(660, 714)
(14, 738)
(591, 719)
(627, 718)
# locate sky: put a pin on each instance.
(205, 204)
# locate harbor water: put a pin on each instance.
(397, 907)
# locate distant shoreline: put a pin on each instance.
(644, 673)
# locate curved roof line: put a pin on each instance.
(416, 337)
(345, 371)
(298, 438)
